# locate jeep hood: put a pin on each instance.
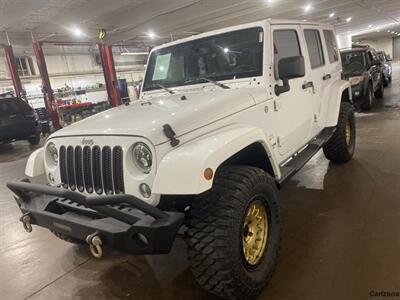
(185, 112)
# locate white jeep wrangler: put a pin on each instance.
(224, 119)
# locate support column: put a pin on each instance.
(47, 91)
(110, 76)
(12, 68)
(344, 41)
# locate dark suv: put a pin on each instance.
(364, 70)
(18, 121)
(387, 67)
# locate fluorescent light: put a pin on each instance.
(349, 19)
(151, 35)
(370, 25)
(308, 7)
(332, 14)
(134, 53)
(76, 31)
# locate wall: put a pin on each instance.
(344, 41)
(73, 69)
(380, 44)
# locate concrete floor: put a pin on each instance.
(341, 233)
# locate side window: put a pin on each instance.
(331, 45)
(286, 44)
(314, 47)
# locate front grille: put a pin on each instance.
(93, 169)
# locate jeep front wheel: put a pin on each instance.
(234, 233)
(340, 147)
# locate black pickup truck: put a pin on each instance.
(18, 121)
(364, 70)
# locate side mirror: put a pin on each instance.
(289, 68)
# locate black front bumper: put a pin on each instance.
(123, 222)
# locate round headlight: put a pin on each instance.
(142, 157)
(52, 153)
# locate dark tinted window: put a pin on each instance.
(354, 61)
(236, 54)
(13, 106)
(331, 45)
(286, 44)
(314, 47)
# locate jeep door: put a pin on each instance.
(293, 109)
(332, 72)
(323, 68)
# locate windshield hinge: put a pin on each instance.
(170, 133)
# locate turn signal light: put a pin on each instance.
(208, 174)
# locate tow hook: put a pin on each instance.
(26, 222)
(95, 243)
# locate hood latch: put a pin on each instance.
(170, 133)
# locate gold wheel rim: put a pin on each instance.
(348, 133)
(255, 232)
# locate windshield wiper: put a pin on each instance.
(221, 85)
(164, 88)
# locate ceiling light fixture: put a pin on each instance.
(76, 31)
(308, 7)
(332, 14)
(370, 25)
(349, 19)
(151, 35)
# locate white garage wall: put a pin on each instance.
(381, 44)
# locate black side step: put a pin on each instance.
(298, 160)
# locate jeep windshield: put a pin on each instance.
(231, 55)
(354, 62)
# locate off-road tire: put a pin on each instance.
(34, 140)
(336, 149)
(385, 81)
(379, 93)
(368, 99)
(68, 238)
(214, 234)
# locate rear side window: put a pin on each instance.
(13, 106)
(314, 47)
(286, 44)
(331, 45)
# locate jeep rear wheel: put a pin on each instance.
(368, 99)
(379, 93)
(340, 147)
(234, 233)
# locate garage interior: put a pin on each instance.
(341, 222)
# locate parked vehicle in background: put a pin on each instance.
(363, 69)
(387, 67)
(224, 119)
(18, 121)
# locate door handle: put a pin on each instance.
(307, 85)
(326, 77)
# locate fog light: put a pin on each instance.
(145, 190)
